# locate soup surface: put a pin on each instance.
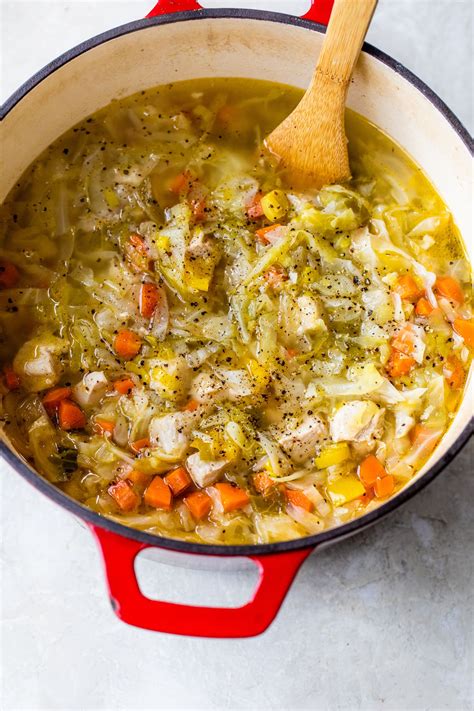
(193, 349)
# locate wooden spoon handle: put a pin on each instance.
(345, 34)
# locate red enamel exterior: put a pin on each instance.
(276, 573)
(319, 11)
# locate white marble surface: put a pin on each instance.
(382, 621)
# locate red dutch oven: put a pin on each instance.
(179, 40)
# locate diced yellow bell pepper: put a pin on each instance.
(334, 454)
(201, 283)
(275, 205)
(345, 489)
(166, 384)
(259, 373)
(162, 242)
(111, 198)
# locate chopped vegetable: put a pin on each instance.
(370, 469)
(70, 416)
(9, 274)
(52, 398)
(158, 494)
(332, 455)
(140, 444)
(263, 231)
(453, 372)
(178, 480)
(275, 205)
(423, 307)
(104, 427)
(384, 487)
(149, 295)
(127, 344)
(297, 498)
(399, 364)
(199, 504)
(345, 489)
(407, 287)
(124, 496)
(232, 497)
(12, 381)
(124, 386)
(449, 288)
(465, 328)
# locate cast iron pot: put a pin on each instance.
(179, 40)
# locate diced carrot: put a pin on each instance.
(465, 328)
(104, 426)
(263, 483)
(407, 287)
(399, 364)
(367, 497)
(181, 183)
(52, 398)
(140, 444)
(423, 307)
(148, 299)
(261, 234)
(70, 416)
(384, 487)
(404, 340)
(292, 352)
(275, 276)
(254, 207)
(453, 372)
(421, 434)
(124, 386)
(127, 344)
(139, 243)
(191, 406)
(450, 288)
(297, 498)
(198, 209)
(226, 113)
(232, 497)
(137, 477)
(159, 495)
(123, 495)
(9, 274)
(12, 381)
(199, 504)
(178, 480)
(370, 470)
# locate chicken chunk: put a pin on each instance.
(206, 386)
(204, 473)
(309, 315)
(169, 378)
(238, 383)
(357, 421)
(300, 443)
(170, 433)
(91, 389)
(38, 362)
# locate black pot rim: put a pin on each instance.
(149, 539)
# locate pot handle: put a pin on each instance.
(130, 605)
(319, 11)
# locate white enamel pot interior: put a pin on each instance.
(255, 45)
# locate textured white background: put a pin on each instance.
(382, 621)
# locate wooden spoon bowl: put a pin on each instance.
(311, 142)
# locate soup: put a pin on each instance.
(193, 349)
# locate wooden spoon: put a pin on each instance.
(311, 142)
